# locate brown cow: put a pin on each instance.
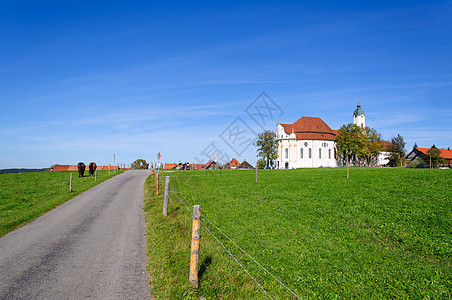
(92, 168)
(81, 169)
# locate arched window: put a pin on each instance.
(320, 152)
(310, 152)
(287, 153)
(301, 153)
(329, 153)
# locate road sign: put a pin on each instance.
(159, 156)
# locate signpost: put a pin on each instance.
(159, 156)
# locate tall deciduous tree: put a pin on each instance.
(373, 145)
(397, 150)
(267, 147)
(350, 143)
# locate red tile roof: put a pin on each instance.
(61, 167)
(169, 166)
(309, 128)
(210, 164)
(233, 163)
(444, 153)
(387, 146)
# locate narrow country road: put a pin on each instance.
(93, 246)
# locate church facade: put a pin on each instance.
(311, 143)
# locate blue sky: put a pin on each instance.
(81, 80)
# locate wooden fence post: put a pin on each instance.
(95, 175)
(256, 173)
(109, 169)
(70, 183)
(195, 236)
(157, 185)
(166, 197)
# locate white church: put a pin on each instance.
(311, 143)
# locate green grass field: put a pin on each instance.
(383, 233)
(26, 196)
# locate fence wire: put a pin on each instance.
(177, 194)
(189, 240)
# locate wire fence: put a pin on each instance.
(189, 240)
(187, 205)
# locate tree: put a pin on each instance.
(261, 163)
(267, 147)
(397, 150)
(350, 143)
(434, 156)
(139, 164)
(372, 144)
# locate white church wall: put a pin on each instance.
(316, 153)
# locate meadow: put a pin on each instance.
(382, 233)
(26, 196)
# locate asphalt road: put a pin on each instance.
(93, 246)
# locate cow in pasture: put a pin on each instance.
(81, 169)
(92, 168)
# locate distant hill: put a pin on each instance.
(6, 171)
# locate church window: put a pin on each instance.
(305, 144)
(287, 153)
(310, 152)
(301, 153)
(320, 152)
(329, 153)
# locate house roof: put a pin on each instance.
(209, 164)
(310, 128)
(387, 146)
(61, 167)
(444, 153)
(245, 165)
(233, 163)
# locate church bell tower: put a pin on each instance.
(359, 118)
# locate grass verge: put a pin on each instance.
(26, 196)
(383, 233)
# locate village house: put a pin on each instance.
(233, 164)
(419, 155)
(311, 143)
(245, 165)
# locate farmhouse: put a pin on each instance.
(245, 165)
(418, 154)
(233, 164)
(311, 143)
